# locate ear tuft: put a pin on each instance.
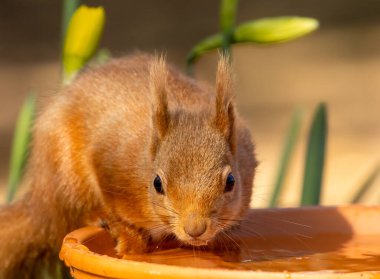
(158, 80)
(225, 112)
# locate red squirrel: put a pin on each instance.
(140, 146)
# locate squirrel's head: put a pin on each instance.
(195, 187)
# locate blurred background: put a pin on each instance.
(339, 64)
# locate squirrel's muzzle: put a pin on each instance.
(195, 225)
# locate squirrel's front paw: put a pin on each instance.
(131, 243)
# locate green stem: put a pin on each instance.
(228, 10)
(68, 9)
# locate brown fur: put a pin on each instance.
(101, 142)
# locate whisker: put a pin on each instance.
(166, 208)
(231, 239)
(91, 238)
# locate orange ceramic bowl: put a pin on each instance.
(308, 242)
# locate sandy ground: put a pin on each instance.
(339, 65)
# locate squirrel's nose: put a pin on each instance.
(195, 230)
(194, 227)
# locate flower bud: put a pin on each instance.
(82, 39)
(274, 30)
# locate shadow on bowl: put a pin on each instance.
(307, 242)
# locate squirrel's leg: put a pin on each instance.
(130, 240)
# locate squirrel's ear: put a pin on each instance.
(225, 112)
(160, 113)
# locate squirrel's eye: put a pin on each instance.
(230, 183)
(158, 185)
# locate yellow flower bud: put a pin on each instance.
(82, 39)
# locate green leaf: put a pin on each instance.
(274, 30)
(315, 155)
(20, 146)
(287, 154)
(208, 44)
(368, 182)
(261, 31)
